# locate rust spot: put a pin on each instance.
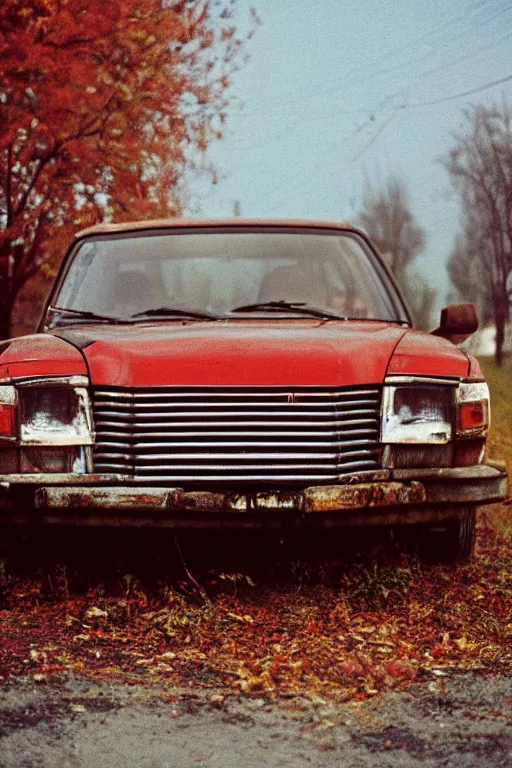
(198, 501)
(334, 497)
(112, 498)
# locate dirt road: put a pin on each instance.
(458, 721)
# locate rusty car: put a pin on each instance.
(242, 373)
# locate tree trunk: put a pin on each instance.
(5, 310)
(500, 318)
(500, 338)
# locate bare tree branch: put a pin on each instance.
(480, 167)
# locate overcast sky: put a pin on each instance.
(336, 91)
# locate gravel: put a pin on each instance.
(460, 720)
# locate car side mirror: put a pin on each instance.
(458, 322)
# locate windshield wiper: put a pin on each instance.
(172, 312)
(290, 306)
(85, 314)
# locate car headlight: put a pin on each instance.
(54, 416)
(417, 414)
(434, 424)
(46, 426)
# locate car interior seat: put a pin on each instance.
(135, 291)
(291, 283)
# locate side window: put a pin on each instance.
(132, 290)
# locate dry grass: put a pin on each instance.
(499, 445)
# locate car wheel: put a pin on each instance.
(449, 542)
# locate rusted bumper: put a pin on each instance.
(379, 498)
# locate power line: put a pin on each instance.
(384, 125)
(465, 57)
(457, 95)
(375, 135)
(357, 75)
(386, 122)
(408, 63)
(391, 99)
(429, 33)
(450, 63)
(361, 73)
(297, 122)
(426, 104)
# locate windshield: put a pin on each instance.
(222, 271)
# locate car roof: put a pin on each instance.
(234, 221)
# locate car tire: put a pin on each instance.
(449, 542)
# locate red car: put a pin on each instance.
(242, 373)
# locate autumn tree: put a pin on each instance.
(480, 168)
(104, 107)
(387, 217)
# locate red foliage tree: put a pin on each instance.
(103, 107)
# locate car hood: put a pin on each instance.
(249, 353)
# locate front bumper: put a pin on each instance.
(384, 497)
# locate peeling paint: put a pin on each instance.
(332, 498)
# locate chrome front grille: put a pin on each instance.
(237, 434)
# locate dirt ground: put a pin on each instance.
(459, 721)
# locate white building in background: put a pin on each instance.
(483, 342)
